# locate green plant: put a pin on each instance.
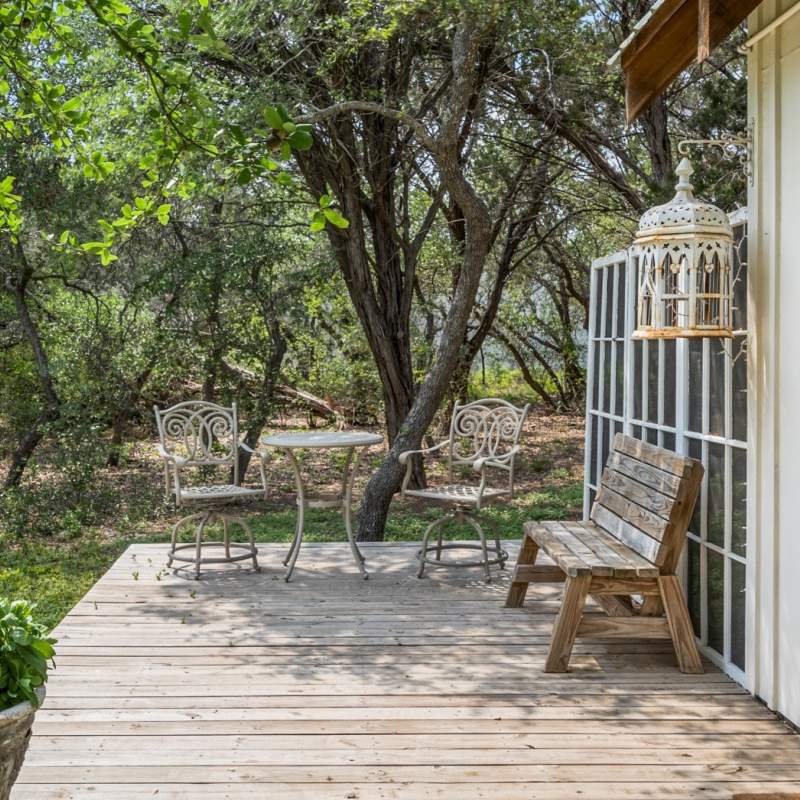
(25, 650)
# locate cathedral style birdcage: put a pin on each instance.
(685, 250)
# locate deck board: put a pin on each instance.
(241, 686)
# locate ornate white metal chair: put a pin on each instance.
(198, 435)
(484, 435)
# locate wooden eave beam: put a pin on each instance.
(679, 33)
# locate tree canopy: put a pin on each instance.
(353, 207)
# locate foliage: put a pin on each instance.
(25, 650)
(180, 217)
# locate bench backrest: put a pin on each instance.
(646, 499)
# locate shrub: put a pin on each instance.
(25, 650)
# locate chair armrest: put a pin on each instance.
(496, 461)
(405, 458)
(264, 455)
(170, 457)
(406, 454)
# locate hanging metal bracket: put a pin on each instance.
(739, 146)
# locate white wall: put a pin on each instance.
(774, 268)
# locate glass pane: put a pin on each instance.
(716, 494)
(668, 441)
(652, 435)
(739, 501)
(739, 390)
(696, 451)
(617, 426)
(637, 379)
(716, 388)
(598, 304)
(609, 290)
(695, 385)
(606, 376)
(619, 380)
(620, 300)
(604, 444)
(596, 376)
(716, 600)
(597, 456)
(740, 279)
(738, 613)
(669, 382)
(636, 431)
(652, 382)
(693, 584)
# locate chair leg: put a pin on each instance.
(423, 553)
(566, 625)
(518, 589)
(249, 531)
(225, 537)
(680, 625)
(439, 538)
(500, 560)
(484, 549)
(199, 549)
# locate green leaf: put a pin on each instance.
(301, 140)
(162, 213)
(335, 218)
(317, 223)
(244, 177)
(273, 117)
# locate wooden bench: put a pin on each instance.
(629, 548)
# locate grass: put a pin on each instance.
(63, 528)
(55, 575)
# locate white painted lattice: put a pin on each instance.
(690, 396)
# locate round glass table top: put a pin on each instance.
(323, 439)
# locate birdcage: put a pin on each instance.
(685, 253)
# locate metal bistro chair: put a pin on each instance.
(198, 434)
(484, 434)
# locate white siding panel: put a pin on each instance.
(774, 101)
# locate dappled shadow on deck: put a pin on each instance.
(240, 685)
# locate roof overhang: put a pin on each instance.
(670, 37)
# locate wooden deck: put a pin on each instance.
(241, 686)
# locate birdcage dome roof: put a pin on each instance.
(684, 214)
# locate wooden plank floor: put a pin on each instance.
(241, 686)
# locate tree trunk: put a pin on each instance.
(52, 409)
(387, 479)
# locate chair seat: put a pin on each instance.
(456, 494)
(218, 492)
(584, 548)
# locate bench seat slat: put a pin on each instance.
(586, 549)
(628, 563)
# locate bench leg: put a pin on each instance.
(566, 625)
(680, 625)
(518, 589)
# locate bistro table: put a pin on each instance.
(330, 440)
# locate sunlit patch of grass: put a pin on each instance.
(55, 577)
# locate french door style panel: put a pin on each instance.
(688, 395)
